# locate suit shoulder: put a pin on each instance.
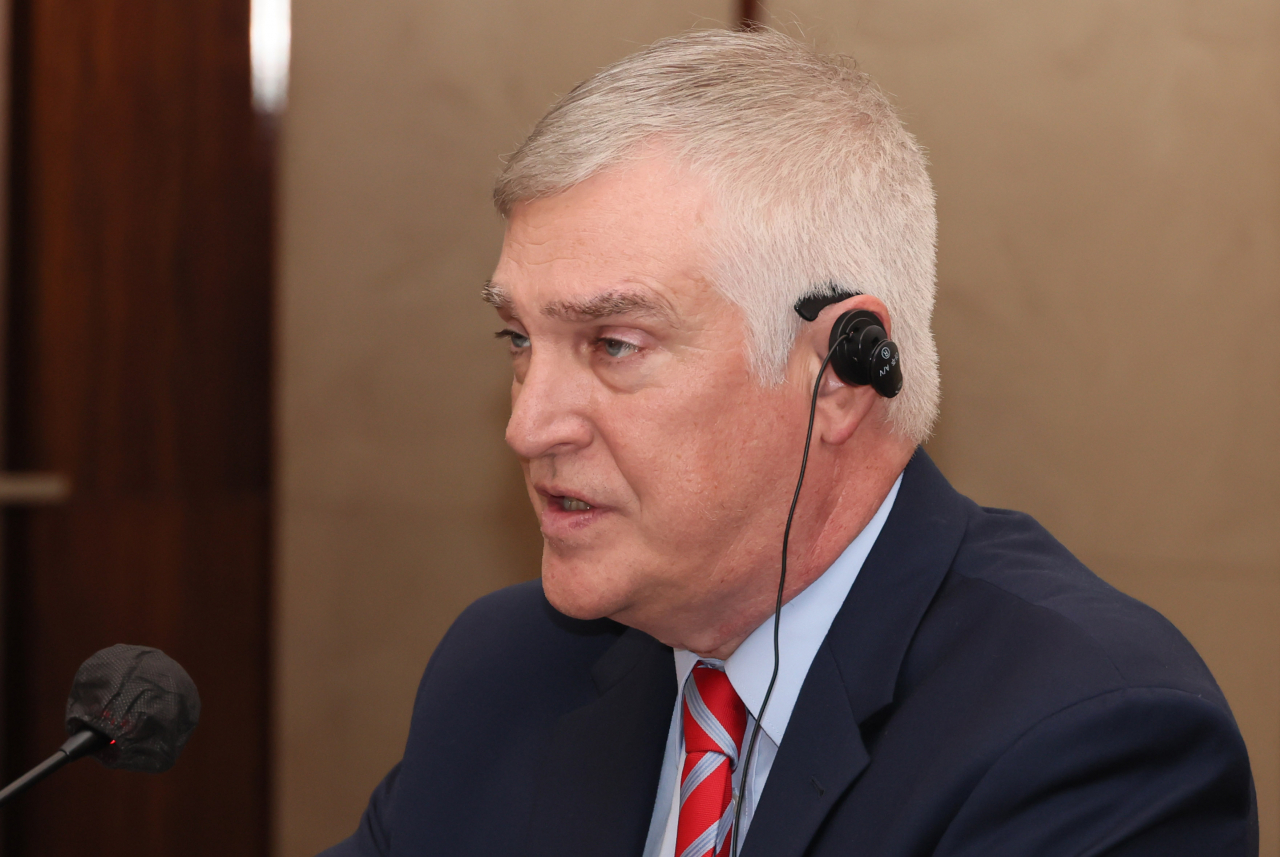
(522, 611)
(1009, 563)
(515, 635)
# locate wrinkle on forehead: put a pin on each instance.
(627, 242)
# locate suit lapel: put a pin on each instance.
(601, 776)
(820, 756)
(855, 671)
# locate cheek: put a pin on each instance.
(706, 460)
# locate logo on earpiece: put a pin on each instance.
(888, 367)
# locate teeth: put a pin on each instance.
(572, 504)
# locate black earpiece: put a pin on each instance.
(864, 354)
(861, 352)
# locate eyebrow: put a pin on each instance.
(607, 305)
(495, 295)
(604, 305)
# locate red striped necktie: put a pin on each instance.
(714, 722)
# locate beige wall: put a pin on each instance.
(1110, 214)
(1108, 177)
(398, 501)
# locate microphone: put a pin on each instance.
(132, 707)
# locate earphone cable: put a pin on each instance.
(777, 609)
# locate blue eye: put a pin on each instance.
(517, 340)
(617, 347)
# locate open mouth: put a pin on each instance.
(571, 504)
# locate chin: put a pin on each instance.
(579, 590)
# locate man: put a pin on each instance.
(950, 680)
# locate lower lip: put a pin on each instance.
(558, 522)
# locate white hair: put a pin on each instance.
(818, 186)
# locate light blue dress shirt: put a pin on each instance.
(805, 622)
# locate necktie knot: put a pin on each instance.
(715, 719)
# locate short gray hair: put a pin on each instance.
(818, 186)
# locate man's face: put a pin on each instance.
(659, 468)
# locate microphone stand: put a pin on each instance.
(76, 747)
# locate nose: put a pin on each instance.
(548, 408)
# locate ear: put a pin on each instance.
(841, 408)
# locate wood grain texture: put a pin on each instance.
(139, 367)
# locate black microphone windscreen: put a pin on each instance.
(141, 699)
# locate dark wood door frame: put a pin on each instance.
(139, 319)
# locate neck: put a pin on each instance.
(852, 496)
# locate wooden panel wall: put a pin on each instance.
(140, 302)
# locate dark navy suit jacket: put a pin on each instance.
(980, 693)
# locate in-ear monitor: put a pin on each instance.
(861, 352)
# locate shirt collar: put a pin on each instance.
(805, 622)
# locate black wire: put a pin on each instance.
(777, 608)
